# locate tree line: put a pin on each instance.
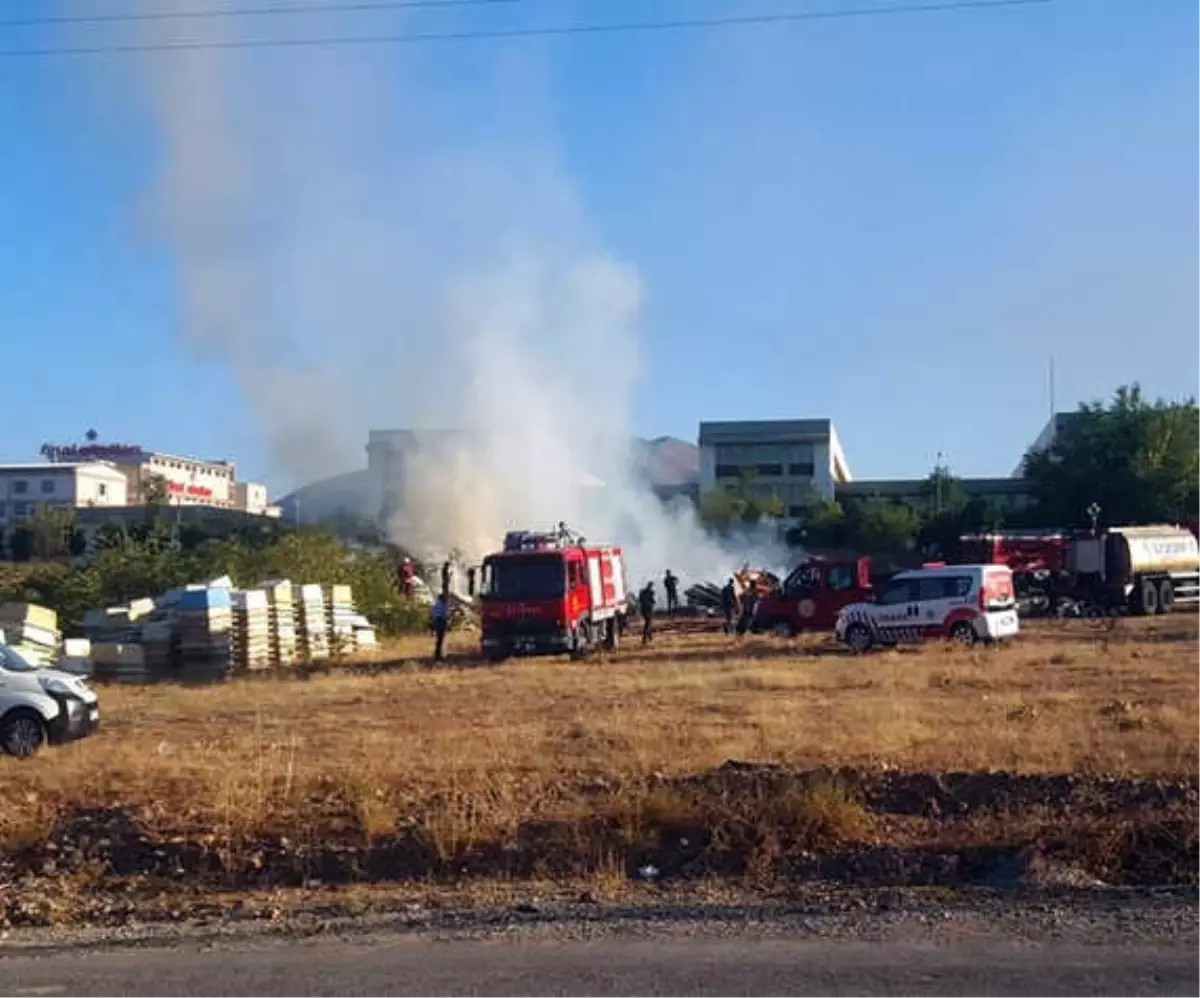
(149, 557)
(1130, 461)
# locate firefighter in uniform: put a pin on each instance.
(646, 607)
(671, 585)
(437, 619)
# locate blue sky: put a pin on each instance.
(893, 222)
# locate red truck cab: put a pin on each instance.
(547, 595)
(813, 594)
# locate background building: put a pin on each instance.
(1044, 439)
(189, 481)
(792, 459)
(1007, 494)
(26, 488)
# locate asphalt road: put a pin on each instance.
(401, 965)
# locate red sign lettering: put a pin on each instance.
(196, 491)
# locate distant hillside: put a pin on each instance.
(668, 461)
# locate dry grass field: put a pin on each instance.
(468, 760)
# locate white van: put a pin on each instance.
(40, 706)
(966, 603)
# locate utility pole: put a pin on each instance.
(937, 485)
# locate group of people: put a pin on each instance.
(733, 604)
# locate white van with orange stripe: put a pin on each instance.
(966, 603)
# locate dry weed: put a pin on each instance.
(472, 754)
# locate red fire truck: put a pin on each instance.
(813, 594)
(552, 593)
(1038, 559)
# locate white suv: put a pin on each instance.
(967, 603)
(41, 705)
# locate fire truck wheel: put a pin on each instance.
(858, 637)
(1166, 596)
(963, 633)
(581, 641)
(1149, 597)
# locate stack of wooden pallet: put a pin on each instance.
(364, 634)
(32, 630)
(158, 645)
(281, 622)
(312, 630)
(120, 662)
(251, 629)
(76, 656)
(204, 618)
(340, 617)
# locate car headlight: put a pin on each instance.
(56, 686)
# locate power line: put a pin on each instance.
(211, 12)
(508, 33)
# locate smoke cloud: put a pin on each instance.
(366, 248)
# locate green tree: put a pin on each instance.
(741, 504)
(942, 493)
(876, 526)
(155, 491)
(1139, 460)
(110, 535)
(822, 524)
(21, 543)
(51, 529)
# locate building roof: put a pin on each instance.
(764, 429)
(44, 467)
(911, 486)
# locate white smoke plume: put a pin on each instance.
(364, 252)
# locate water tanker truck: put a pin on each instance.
(1139, 570)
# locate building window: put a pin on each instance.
(769, 470)
(20, 508)
(801, 470)
(47, 486)
(728, 471)
(20, 487)
(101, 490)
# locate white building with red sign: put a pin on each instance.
(189, 481)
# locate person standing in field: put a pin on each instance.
(749, 605)
(437, 619)
(406, 577)
(729, 603)
(646, 607)
(671, 585)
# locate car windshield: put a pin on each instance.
(14, 661)
(524, 577)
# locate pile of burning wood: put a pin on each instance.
(706, 596)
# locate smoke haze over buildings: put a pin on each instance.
(360, 250)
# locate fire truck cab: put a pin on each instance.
(551, 593)
(812, 596)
